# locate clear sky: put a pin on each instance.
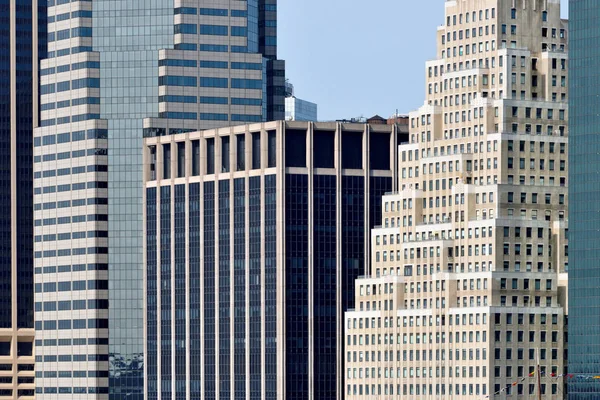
(359, 58)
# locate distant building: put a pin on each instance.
(297, 109)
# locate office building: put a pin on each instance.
(254, 236)
(467, 287)
(115, 72)
(584, 164)
(297, 109)
(23, 42)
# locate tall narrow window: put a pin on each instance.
(241, 152)
(255, 150)
(225, 154)
(210, 156)
(166, 161)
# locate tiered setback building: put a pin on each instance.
(117, 71)
(254, 238)
(467, 285)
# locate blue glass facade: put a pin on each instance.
(224, 293)
(16, 143)
(195, 291)
(151, 293)
(255, 283)
(584, 192)
(209, 291)
(325, 285)
(166, 365)
(239, 266)
(296, 286)
(180, 294)
(270, 217)
(269, 325)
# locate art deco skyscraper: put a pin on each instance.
(117, 71)
(467, 288)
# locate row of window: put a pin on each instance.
(192, 81)
(507, 336)
(66, 16)
(81, 31)
(534, 144)
(63, 86)
(534, 196)
(67, 171)
(68, 187)
(68, 103)
(67, 286)
(209, 100)
(69, 268)
(69, 390)
(70, 342)
(69, 119)
(219, 30)
(170, 62)
(70, 67)
(220, 48)
(411, 390)
(71, 374)
(72, 154)
(67, 324)
(214, 12)
(70, 137)
(68, 252)
(210, 116)
(70, 235)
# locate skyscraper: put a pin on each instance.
(115, 72)
(297, 109)
(254, 236)
(467, 287)
(584, 165)
(22, 42)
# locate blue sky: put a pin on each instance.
(359, 58)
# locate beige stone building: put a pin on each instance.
(466, 292)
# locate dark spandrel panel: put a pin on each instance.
(295, 148)
(151, 293)
(325, 286)
(255, 276)
(324, 149)
(224, 291)
(352, 150)
(5, 169)
(353, 238)
(209, 292)
(24, 126)
(180, 292)
(296, 286)
(378, 187)
(584, 192)
(271, 287)
(166, 317)
(379, 151)
(239, 301)
(195, 291)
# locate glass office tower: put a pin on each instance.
(116, 72)
(22, 43)
(254, 236)
(584, 195)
